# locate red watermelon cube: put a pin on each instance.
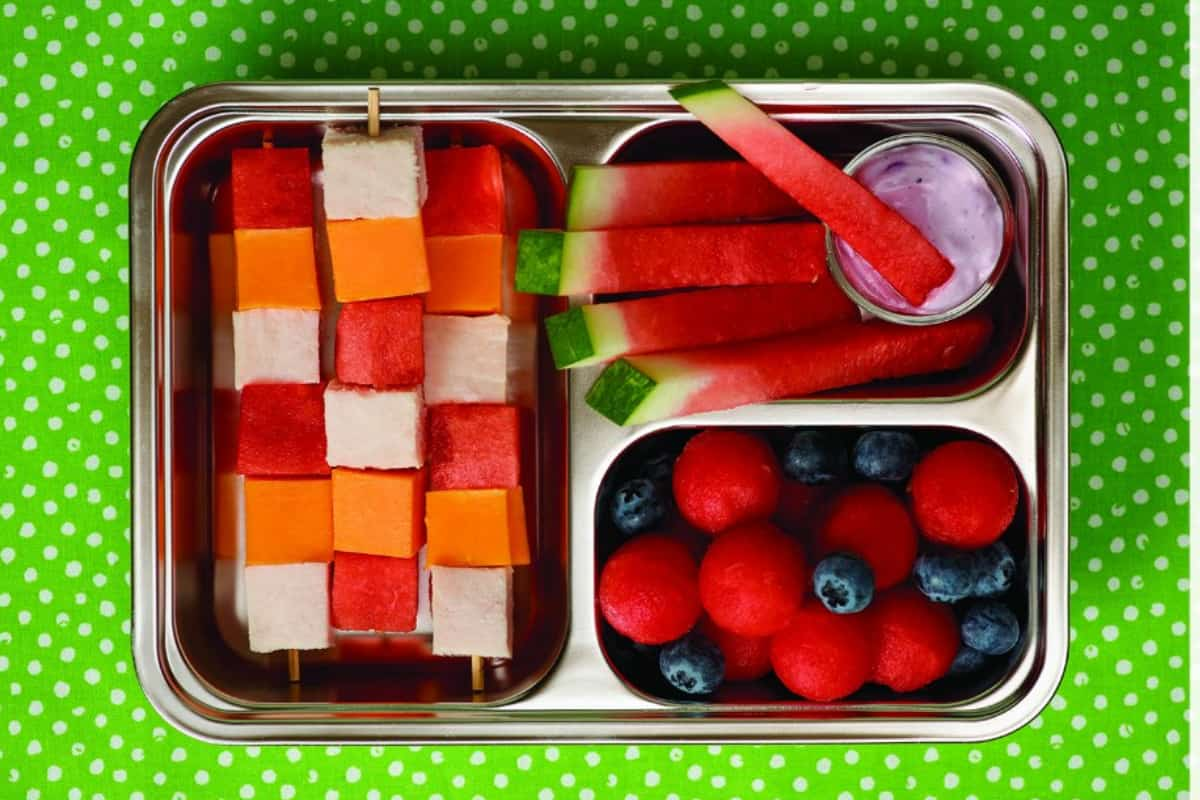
(466, 191)
(474, 446)
(381, 343)
(272, 188)
(281, 430)
(374, 593)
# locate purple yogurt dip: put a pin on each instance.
(948, 198)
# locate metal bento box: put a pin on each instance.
(188, 632)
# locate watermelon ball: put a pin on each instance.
(747, 658)
(945, 576)
(964, 494)
(885, 455)
(797, 504)
(843, 583)
(724, 478)
(637, 506)
(990, 627)
(752, 579)
(815, 457)
(693, 664)
(995, 570)
(967, 661)
(871, 522)
(917, 639)
(822, 656)
(648, 590)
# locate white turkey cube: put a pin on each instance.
(276, 345)
(377, 177)
(466, 359)
(374, 428)
(472, 611)
(287, 607)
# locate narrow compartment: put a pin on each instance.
(397, 671)
(798, 514)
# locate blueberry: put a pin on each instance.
(967, 660)
(995, 570)
(658, 469)
(885, 455)
(991, 628)
(844, 583)
(637, 505)
(945, 576)
(815, 457)
(693, 664)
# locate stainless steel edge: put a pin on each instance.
(1024, 410)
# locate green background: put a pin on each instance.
(77, 80)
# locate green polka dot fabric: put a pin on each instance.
(77, 81)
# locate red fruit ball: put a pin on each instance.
(823, 656)
(648, 590)
(871, 522)
(752, 579)
(724, 478)
(798, 504)
(747, 658)
(916, 639)
(964, 494)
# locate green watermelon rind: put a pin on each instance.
(620, 391)
(569, 338)
(539, 261)
(690, 91)
(588, 197)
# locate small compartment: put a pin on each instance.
(207, 601)
(798, 514)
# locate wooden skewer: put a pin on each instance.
(373, 111)
(293, 658)
(268, 139)
(477, 674)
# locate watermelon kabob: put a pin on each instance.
(830, 566)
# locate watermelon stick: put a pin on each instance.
(591, 334)
(889, 242)
(683, 256)
(645, 388)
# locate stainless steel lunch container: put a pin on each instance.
(562, 687)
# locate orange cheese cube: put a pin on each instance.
(379, 512)
(377, 258)
(222, 268)
(288, 520)
(276, 268)
(476, 528)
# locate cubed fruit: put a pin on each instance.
(288, 520)
(466, 191)
(287, 607)
(472, 611)
(466, 359)
(281, 430)
(276, 345)
(373, 177)
(379, 512)
(476, 527)
(474, 446)
(377, 258)
(474, 275)
(381, 343)
(276, 268)
(374, 593)
(272, 187)
(374, 428)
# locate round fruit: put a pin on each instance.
(869, 521)
(945, 576)
(814, 457)
(917, 639)
(648, 590)
(995, 570)
(885, 455)
(797, 504)
(990, 627)
(822, 656)
(967, 660)
(637, 506)
(747, 658)
(724, 478)
(964, 494)
(843, 583)
(693, 664)
(752, 579)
